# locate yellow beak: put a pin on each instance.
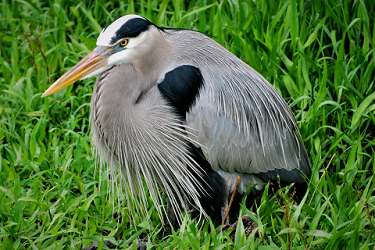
(87, 65)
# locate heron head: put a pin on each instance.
(126, 40)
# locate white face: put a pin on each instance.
(133, 52)
(136, 48)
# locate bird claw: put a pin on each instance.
(248, 223)
(140, 246)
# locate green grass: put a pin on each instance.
(318, 54)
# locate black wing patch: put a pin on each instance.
(181, 87)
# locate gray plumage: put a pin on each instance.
(235, 118)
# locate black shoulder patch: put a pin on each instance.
(132, 28)
(181, 87)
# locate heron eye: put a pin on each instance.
(123, 43)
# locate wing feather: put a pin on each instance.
(241, 122)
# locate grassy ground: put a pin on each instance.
(318, 54)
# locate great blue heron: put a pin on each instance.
(176, 109)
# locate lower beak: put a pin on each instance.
(86, 66)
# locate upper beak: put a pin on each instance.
(92, 62)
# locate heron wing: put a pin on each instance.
(263, 148)
(245, 126)
(239, 119)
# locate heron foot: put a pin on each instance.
(248, 223)
(140, 246)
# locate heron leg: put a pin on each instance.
(224, 209)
